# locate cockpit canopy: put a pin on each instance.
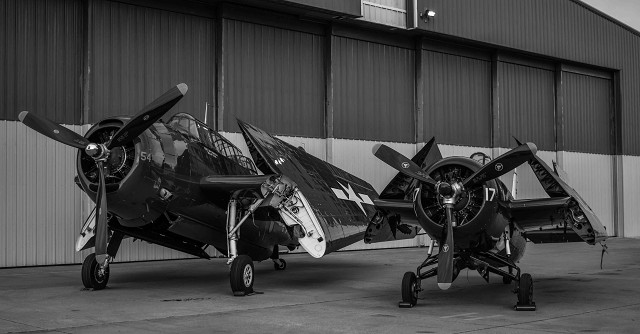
(191, 127)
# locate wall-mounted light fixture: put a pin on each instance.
(427, 14)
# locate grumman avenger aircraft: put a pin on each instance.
(478, 224)
(182, 185)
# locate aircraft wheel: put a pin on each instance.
(410, 288)
(280, 264)
(525, 290)
(91, 276)
(241, 275)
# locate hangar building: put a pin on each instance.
(332, 76)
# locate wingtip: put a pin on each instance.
(375, 148)
(22, 115)
(183, 88)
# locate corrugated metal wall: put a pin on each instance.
(274, 78)
(40, 58)
(526, 105)
(587, 113)
(591, 175)
(457, 99)
(631, 184)
(373, 91)
(560, 29)
(138, 53)
(40, 205)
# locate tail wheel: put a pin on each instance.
(525, 290)
(92, 276)
(241, 275)
(410, 288)
(279, 264)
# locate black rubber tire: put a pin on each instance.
(525, 290)
(241, 275)
(281, 266)
(409, 288)
(90, 277)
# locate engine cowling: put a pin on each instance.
(475, 209)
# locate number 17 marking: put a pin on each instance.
(489, 194)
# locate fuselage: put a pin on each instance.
(153, 184)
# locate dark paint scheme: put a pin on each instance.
(344, 221)
(163, 198)
(477, 223)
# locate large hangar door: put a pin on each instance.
(139, 53)
(457, 98)
(588, 140)
(273, 77)
(526, 110)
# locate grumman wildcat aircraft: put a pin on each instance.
(182, 185)
(462, 205)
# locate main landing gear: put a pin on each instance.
(484, 262)
(96, 275)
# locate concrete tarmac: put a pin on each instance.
(344, 292)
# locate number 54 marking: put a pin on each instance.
(489, 194)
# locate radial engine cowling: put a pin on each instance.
(474, 208)
(128, 198)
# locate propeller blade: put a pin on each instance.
(445, 256)
(402, 164)
(101, 217)
(147, 116)
(53, 130)
(501, 165)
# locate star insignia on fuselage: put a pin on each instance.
(348, 194)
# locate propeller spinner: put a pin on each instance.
(100, 152)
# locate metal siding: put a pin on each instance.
(139, 53)
(527, 105)
(274, 78)
(40, 57)
(457, 99)
(587, 112)
(41, 207)
(373, 91)
(560, 29)
(591, 175)
(631, 195)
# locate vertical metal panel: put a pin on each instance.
(387, 12)
(631, 207)
(139, 53)
(527, 105)
(40, 205)
(587, 112)
(373, 91)
(40, 57)
(559, 29)
(274, 78)
(591, 175)
(457, 99)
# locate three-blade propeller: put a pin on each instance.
(100, 151)
(450, 192)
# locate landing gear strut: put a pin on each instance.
(96, 275)
(278, 263)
